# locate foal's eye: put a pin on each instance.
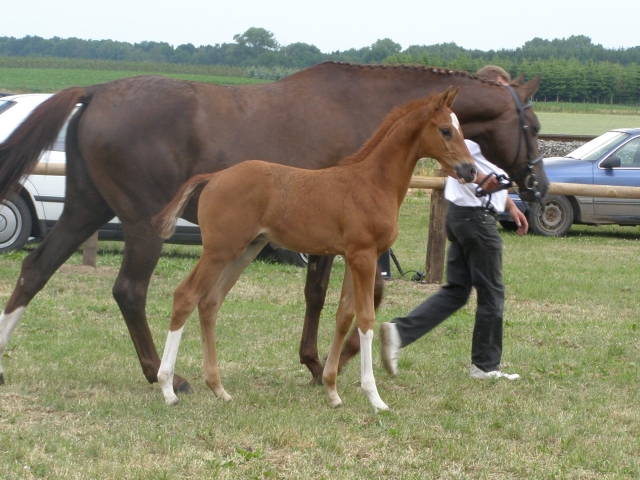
(446, 133)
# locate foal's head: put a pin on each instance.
(441, 138)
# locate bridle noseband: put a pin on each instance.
(530, 181)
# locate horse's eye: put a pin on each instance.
(446, 133)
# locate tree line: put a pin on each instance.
(573, 69)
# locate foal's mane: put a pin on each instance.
(391, 121)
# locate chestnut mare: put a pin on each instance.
(349, 210)
(135, 141)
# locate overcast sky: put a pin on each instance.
(328, 24)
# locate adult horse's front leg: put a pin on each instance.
(362, 265)
(141, 254)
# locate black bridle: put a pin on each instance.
(530, 181)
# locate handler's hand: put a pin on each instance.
(518, 217)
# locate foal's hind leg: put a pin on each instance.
(78, 222)
(210, 305)
(185, 299)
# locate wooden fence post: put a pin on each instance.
(437, 237)
(90, 251)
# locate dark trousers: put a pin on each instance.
(474, 260)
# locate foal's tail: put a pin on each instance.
(164, 223)
(20, 152)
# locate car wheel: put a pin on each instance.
(290, 257)
(15, 223)
(554, 220)
(508, 226)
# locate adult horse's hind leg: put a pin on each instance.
(141, 254)
(78, 221)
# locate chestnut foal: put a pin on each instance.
(349, 210)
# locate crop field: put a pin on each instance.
(76, 404)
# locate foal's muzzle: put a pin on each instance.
(467, 172)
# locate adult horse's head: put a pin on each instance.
(514, 138)
(442, 139)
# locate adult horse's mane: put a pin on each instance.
(390, 122)
(424, 68)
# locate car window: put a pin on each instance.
(4, 104)
(629, 154)
(597, 147)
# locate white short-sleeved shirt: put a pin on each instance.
(465, 195)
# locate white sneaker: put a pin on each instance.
(481, 374)
(390, 345)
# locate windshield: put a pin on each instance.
(597, 147)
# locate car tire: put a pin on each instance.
(554, 220)
(290, 257)
(508, 226)
(15, 223)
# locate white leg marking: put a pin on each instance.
(167, 366)
(367, 381)
(7, 323)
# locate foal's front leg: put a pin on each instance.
(362, 265)
(344, 318)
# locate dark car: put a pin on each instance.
(610, 159)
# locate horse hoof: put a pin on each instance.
(225, 397)
(317, 380)
(184, 387)
(172, 401)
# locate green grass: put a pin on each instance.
(77, 406)
(583, 123)
(51, 80)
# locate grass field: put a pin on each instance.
(77, 406)
(584, 123)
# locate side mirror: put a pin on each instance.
(612, 161)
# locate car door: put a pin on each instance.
(620, 210)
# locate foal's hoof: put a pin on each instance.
(184, 387)
(225, 397)
(316, 380)
(172, 401)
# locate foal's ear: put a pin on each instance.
(449, 96)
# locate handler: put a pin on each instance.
(474, 259)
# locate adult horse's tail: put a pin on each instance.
(164, 223)
(20, 152)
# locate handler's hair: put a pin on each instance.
(492, 72)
